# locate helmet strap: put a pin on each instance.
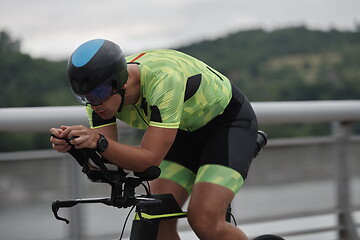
(122, 94)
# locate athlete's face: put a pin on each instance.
(109, 107)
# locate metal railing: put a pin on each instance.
(41, 119)
(343, 115)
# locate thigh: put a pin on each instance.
(186, 150)
(166, 186)
(228, 151)
(231, 147)
(233, 138)
(182, 161)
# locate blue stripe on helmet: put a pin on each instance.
(85, 52)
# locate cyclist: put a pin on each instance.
(200, 129)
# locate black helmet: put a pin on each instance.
(96, 62)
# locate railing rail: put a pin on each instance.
(40, 119)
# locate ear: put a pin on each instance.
(124, 87)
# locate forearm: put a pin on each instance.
(134, 158)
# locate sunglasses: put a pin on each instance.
(98, 95)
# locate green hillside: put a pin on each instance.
(30, 82)
(287, 64)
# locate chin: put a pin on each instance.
(107, 116)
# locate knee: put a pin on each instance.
(198, 223)
(203, 222)
(167, 230)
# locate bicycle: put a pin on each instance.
(150, 208)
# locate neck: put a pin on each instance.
(132, 85)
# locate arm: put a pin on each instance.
(154, 146)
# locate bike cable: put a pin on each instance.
(147, 188)
(126, 220)
(233, 217)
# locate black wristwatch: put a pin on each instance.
(102, 144)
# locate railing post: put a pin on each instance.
(76, 214)
(342, 132)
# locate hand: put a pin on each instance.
(58, 144)
(80, 136)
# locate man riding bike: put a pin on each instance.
(200, 129)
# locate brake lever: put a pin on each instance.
(70, 203)
(62, 204)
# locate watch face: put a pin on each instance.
(102, 144)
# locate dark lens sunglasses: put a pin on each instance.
(100, 94)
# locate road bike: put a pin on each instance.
(150, 208)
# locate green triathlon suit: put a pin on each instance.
(216, 125)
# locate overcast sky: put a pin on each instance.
(53, 28)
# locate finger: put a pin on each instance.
(80, 135)
(61, 148)
(72, 127)
(82, 145)
(82, 140)
(56, 131)
(53, 132)
(66, 131)
(75, 140)
(63, 127)
(58, 141)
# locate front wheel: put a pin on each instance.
(268, 237)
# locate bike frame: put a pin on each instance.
(148, 216)
(150, 209)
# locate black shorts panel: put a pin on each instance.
(228, 140)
